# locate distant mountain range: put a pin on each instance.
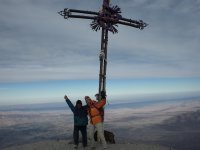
(136, 102)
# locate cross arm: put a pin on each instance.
(67, 13)
(83, 11)
(81, 17)
(133, 23)
(107, 18)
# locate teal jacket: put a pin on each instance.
(80, 115)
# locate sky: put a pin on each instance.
(44, 56)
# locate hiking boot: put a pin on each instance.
(92, 148)
(105, 147)
(75, 147)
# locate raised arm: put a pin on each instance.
(100, 103)
(103, 100)
(71, 106)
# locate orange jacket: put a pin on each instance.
(93, 111)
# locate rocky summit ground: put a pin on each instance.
(64, 145)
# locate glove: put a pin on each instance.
(66, 98)
(103, 94)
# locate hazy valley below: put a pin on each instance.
(172, 123)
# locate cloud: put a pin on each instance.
(38, 44)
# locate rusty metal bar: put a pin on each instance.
(83, 11)
(81, 17)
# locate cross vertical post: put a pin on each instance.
(103, 55)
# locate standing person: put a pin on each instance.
(80, 121)
(96, 119)
(101, 109)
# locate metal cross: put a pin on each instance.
(107, 19)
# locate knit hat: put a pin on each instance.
(78, 102)
(87, 97)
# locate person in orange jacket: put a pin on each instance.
(96, 120)
(101, 109)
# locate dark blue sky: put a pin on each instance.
(37, 46)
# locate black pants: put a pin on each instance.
(84, 135)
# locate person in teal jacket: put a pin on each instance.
(80, 121)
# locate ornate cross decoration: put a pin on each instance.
(106, 19)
